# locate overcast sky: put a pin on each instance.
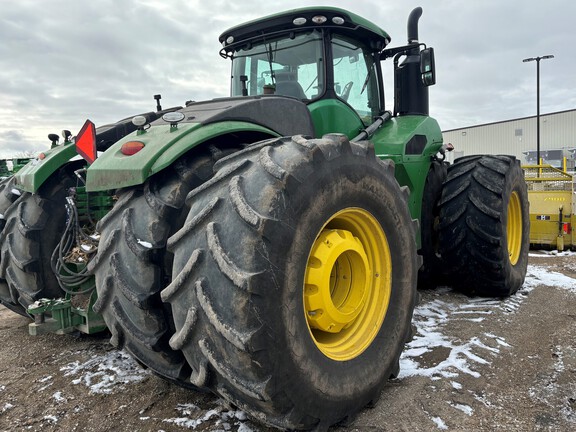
(62, 61)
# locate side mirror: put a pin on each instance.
(427, 67)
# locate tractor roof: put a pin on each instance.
(306, 19)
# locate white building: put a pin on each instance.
(517, 137)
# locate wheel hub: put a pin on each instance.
(336, 284)
(514, 228)
(347, 284)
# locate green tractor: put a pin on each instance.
(17, 164)
(4, 170)
(268, 246)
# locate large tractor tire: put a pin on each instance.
(8, 196)
(294, 280)
(485, 226)
(132, 266)
(34, 226)
(430, 274)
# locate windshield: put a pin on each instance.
(289, 66)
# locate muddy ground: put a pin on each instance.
(474, 365)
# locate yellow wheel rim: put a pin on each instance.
(347, 284)
(514, 228)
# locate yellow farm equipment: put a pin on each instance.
(551, 193)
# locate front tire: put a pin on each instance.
(485, 226)
(295, 280)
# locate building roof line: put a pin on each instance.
(508, 121)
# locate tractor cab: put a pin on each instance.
(327, 58)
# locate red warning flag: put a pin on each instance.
(86, 142)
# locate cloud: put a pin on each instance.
(62, 62)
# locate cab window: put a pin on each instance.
(285, 66)
(355, 77)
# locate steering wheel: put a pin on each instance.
(346, 92)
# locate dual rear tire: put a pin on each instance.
(294, 271)
(33, 226)
(484, 231)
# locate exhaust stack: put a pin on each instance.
(413, 25)
(410, 93)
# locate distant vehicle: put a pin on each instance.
(562, 159)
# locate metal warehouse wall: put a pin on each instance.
(557, 131)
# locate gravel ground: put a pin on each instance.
(474, 365)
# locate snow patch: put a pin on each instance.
(191, 417)
(542, 276)
(481, 397)
(146, 244)
(433, 354)
(7, 406)
(245, 428)
(466, 409)
(545, 253)
(439, 423)
(51, 418)
(106, 373)
(58, 397)
(45, 379)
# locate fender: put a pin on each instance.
(163, 145)
(248, 119)
(35, 172)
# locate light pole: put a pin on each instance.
(537, 59)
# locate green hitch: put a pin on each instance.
(72, 313)
(92, 206)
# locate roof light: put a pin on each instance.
(319, 19)
(229, 39)
(299, 21)
(131, 147)
(173, 118)
(139, 121)
(338, 20)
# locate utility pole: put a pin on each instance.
(537, 60)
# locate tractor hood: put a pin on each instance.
(283, 115)
(236, 120)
